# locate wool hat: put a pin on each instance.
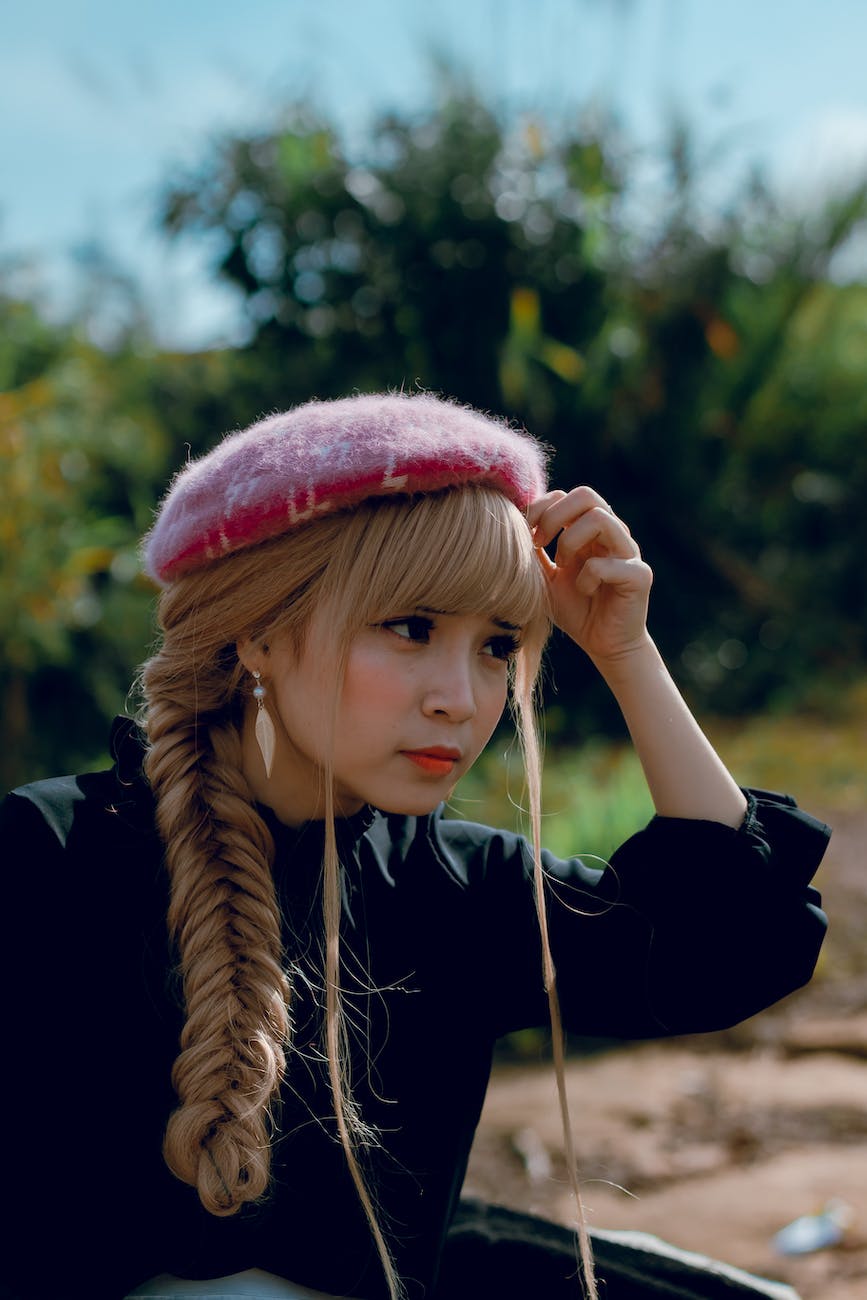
(325, 456)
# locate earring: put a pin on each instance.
(265, 735)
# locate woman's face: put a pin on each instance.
(422, 694)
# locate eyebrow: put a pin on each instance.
(498, 622)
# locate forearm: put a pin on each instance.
(685, 775)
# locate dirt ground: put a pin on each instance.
(716, 1142)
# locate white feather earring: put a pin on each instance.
(266, 737)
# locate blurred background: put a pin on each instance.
(637, 226)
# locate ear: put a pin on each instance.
(252, 655)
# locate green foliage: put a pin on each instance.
(406, 267)
(595, 797)
(79, 465)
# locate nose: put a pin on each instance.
(450, 690)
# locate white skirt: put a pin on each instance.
(252, 1284)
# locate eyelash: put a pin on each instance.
(503, 647)
(419, 628)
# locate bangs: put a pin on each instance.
(464, 551)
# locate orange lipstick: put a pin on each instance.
(437, 760)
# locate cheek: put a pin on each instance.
(301, 713)
(375, 684)
(302, 699)
(493, 700)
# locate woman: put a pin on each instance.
(265, 974)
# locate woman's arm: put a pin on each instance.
(599, 587)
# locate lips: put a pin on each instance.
(437, 760)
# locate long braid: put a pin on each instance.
(224, 919)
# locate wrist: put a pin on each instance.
(636, 660)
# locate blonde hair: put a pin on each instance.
(348, 570)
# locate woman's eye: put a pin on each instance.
(410, 629)
(502, 647)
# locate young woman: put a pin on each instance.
(255, 976)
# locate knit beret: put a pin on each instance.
(329, 455)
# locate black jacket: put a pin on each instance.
(693, 927)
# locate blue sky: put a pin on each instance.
(99, 97)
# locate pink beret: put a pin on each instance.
(325, 456)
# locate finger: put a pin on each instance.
(549, 568)
(563, 509)
(594, 531)
(536, 508)
(631, 577)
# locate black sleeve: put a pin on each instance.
(40, 1057)
(85, 1069)
(34, 875)
(693, 926)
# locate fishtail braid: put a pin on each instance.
(224, 919)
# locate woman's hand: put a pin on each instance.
(599, 587)
(598, 582)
